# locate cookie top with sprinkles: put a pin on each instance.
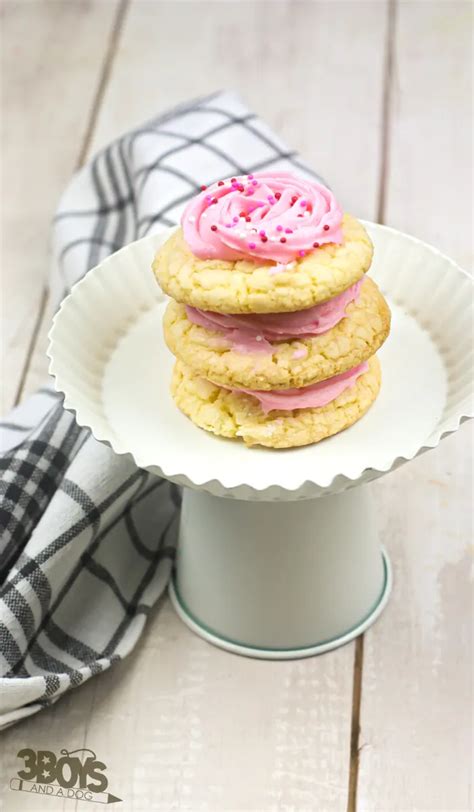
(259, 285)
(273, 216)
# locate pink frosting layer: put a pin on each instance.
(253, 333)
(270, 216)
(310, 397)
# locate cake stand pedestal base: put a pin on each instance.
(303, 573)
(279, 580)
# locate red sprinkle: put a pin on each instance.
(247, 219)
(294, 199)
(242, 214)
(326, 228)
(214, 200)
(203, 188)
(221, 183)
(277, 195)
(282, 239)
(264, 239)
(240, 187)
(213, 228)
(315, 244)
(233, 180)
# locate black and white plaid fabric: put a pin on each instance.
(87, 539)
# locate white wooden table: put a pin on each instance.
(377, 96)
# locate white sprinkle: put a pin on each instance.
(192, 218)
(290, 266)
(204, 214)
(278, 268)
(258, 338)
(273, 239)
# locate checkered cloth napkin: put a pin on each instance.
(87, 539)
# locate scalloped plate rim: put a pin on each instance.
(433, 440)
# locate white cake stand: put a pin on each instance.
(278, 552)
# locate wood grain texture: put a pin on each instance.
(215, 731)
(415, 743)
(48, 89)
(302, 81)
(429, 177)
(184, 726)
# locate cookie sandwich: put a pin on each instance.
(273, 321)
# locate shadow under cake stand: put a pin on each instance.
(278, 552)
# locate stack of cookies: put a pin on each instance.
(272, 320)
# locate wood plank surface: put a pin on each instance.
(416, 746)
(200, 729)
(184, 726)
(280, 58)
(181, 725)
(52, 54)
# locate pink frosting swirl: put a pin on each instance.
(269, 215)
